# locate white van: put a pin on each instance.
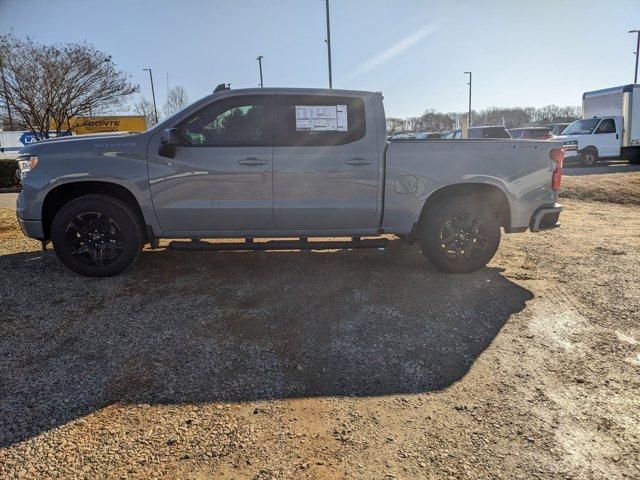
(609, 128)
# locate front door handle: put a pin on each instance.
(252, 161)
(358, 161)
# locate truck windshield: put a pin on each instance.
(581, 127)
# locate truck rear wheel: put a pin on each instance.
(460, 235)
(97, 235)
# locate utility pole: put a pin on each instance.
(329, 44)
(260, 57)
(153, 94)
(469, 118)
(637, 52)
(6, 97)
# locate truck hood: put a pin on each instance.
(95, 141)
(567, 138)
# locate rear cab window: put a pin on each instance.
(319, 120)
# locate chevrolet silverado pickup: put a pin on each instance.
(266, 163)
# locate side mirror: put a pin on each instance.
(169, 138)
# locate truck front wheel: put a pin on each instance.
(589, 157)
(459, 235)
(97, 235)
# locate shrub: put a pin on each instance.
(8, 173)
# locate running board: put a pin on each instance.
(302, 244)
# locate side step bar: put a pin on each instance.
(302, 244)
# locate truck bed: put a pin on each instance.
(416, 169)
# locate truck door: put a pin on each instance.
(608, 137)
(326, 163)
(220, 179)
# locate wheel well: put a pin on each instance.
(63, 194)
(489, 194)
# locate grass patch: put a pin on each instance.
(622, 188)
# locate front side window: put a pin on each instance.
(608, 125)
(239, 121)
(319, 120)
(581, 127)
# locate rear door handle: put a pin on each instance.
(358, 161)
(252, 161)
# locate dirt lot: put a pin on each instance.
(358, 364)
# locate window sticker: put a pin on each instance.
(321, 118)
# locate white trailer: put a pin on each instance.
(12, 141)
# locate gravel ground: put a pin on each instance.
(359, 364)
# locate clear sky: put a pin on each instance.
(525, 53)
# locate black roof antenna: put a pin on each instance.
(222, 86)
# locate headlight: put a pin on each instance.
(26, 163)
(570, 145)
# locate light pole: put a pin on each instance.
(260, 57)
(637, 52)
(153, 93)
(469, 118)
(328, 44)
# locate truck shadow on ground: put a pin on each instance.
(217, 327)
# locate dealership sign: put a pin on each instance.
(120, 123)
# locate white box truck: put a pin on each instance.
(609, 128)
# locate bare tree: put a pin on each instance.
(54, 84)
(395, 125)
(176, 100)
(144, 108)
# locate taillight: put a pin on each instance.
(557, 155)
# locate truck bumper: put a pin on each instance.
(545, 218)
(31, 228)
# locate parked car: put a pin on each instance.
(538, 133)
(264, 162)
(610, 127)
(427, 136)
(556, 128)
(480, 132)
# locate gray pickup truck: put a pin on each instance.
(282, 163)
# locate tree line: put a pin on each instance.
(509, 117)
(43, 88)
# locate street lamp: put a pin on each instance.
(153, 93)
(260, 57)
(469, 118)
(328, 40)
(637, 52)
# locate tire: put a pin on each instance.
(589, 157)
(97, 235)
(476, 230)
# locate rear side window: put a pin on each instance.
(516, 133)
(236, 121)
(319, 120)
